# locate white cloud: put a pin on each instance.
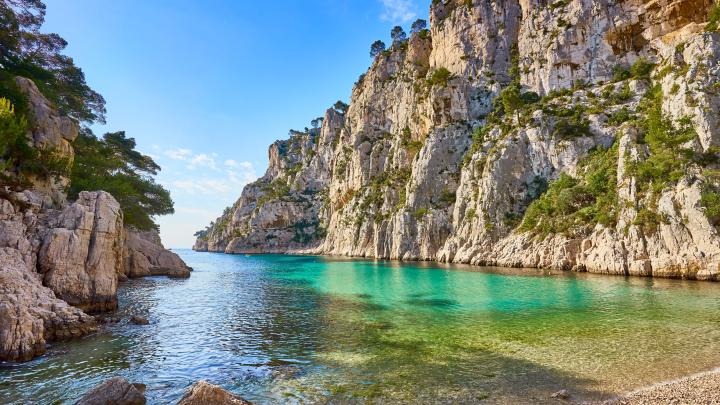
(178, 154)
(202, 160)
(230, 184)
(234, 164)
(398, 11)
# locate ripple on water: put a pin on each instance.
(286, 328)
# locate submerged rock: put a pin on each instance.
(115, 391)
(204, 393)
(139, 320)
(562, 394)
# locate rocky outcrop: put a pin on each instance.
(281, 210)
(81, 255)
(58, 259)
(204, 393)
(452, 136)
(53, 133)
(30, 313)
(115, 391)
(144, 255)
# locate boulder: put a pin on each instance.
(144, 255)
(81, 254)
(115, 391)
(204, 393)
(139, 320)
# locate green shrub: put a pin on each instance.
(440, 77)
(408, 143)
(274, 190)
(710, 199)
(571, 123)
(621, 73)
(713, 19)
(419, 213)
(621, 116)
(641, 69)
(668, 160)
(573, 206)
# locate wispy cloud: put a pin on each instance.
(398, 11)
(235, 177)
(202, 160)
(193, 160)
(178, 154)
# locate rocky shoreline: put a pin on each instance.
(513, 134)
(701, 388)
(119, 391)
(61, 261)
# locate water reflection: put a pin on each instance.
(279, 329)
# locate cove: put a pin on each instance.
(278, 329)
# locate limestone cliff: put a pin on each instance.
(574, 134)
(58, 260)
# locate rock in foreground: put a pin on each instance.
(115, 391)
(204, 393)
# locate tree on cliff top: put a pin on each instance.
(112, 164)
(398, 35)
(341, 106)
(418, 26)
(376, 48)
(25, 51)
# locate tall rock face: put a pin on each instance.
(573, 134)
(81, 255)
(281, 210)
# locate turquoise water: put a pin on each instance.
(279, 329)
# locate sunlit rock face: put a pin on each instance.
(399, 175)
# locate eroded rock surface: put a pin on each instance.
(58, 259)
(81, 255)
(144, 255)
(115, 391)
(30, 313)
(426, 164)
(204, 393)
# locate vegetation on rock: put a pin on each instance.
(572, 206)
(112, 164)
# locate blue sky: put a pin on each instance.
(205, 86)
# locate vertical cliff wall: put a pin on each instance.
(518, 133)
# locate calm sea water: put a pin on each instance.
(283, 329)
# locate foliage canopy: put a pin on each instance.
(112, 164)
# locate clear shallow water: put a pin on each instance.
(279, 329)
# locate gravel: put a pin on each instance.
(701, 388)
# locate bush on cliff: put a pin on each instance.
(19, 162)
(112, 164)
(572, 206)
